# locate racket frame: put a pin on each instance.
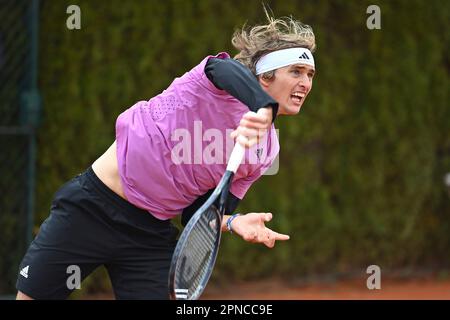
(221, 192)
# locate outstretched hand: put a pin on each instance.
(251, 227)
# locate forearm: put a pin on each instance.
(188, 212)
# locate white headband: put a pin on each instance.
(283, 58)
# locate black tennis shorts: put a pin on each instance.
(88, 226)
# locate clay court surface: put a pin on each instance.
(404, 289)
(391, 289)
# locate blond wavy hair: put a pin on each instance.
(283, 33)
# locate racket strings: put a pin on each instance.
(197, 255)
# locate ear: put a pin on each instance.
(264, 82)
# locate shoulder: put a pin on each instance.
(198, 73)
(218, 57)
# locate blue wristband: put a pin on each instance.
(230, 219)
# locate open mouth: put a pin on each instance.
(297, 97)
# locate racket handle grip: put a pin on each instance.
(236, 157)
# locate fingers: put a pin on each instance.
(270, 240)
(247, 142)
(257, 232)
(249, 132)
(254, 120)
(273, 236)
(251, 236)
(252, 127)
(263, 115)
(267, 237)
(257, 236)
(280, 236)
(266, 216)
(248, 136)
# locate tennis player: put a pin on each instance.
(118, 212)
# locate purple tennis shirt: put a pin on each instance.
(174, 147)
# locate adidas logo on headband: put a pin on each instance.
(304, 56)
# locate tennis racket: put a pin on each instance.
(196, 251)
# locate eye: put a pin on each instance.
(296, 72)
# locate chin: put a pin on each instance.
(293, 110)
(290, 110)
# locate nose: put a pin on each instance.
(304, 83)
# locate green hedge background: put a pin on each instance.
(362, 165)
